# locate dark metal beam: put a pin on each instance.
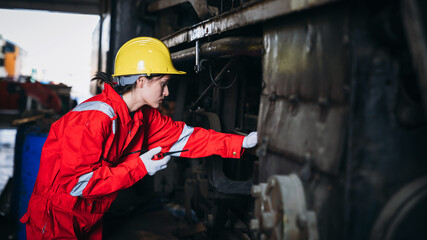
(252, 13)
(230, 46)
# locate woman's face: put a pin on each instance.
(155, 90)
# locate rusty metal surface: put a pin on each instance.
(251, 13)
(200, 6)
(382, 154)
(303, 105)
(248, 46)
(301, 135)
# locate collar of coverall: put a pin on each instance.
(120, 106)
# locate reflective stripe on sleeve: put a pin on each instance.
(114, 126)
(81, 184)
(98, 106)
(182, 140)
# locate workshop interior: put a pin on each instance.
(336, 89)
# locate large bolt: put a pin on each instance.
(268, 220)
(302, 221)
(294, 99)
(323, 102)
(273, 97)
(254, 225)
(256, 191)
(271, 185)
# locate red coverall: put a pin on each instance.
(93, 151)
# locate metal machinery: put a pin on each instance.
(336, 91)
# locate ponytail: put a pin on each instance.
(105, 78)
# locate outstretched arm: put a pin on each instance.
(175, 135)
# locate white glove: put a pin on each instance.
(153, 166)
(250, 140)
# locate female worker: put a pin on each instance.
(95, 150)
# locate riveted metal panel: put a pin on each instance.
(303, 105)
(300, 134)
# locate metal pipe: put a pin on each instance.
(245, 46)
(197, 67)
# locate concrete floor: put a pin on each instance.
(161, 225)
(138, 213)
(155, 219)
(156, 225)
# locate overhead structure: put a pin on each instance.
(81, 6)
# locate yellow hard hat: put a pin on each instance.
(144, 56)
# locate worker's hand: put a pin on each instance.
(153, 166)
(250, 140)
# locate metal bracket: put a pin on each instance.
(216, 175)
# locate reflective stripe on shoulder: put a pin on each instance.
(95, 106)
(98, 106)
(81, 185)
(182, 140)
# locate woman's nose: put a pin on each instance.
(166, 91)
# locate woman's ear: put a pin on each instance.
(140, 82)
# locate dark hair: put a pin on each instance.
(105, 78)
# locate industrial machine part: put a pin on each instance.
(281, 212)
(402, 212)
